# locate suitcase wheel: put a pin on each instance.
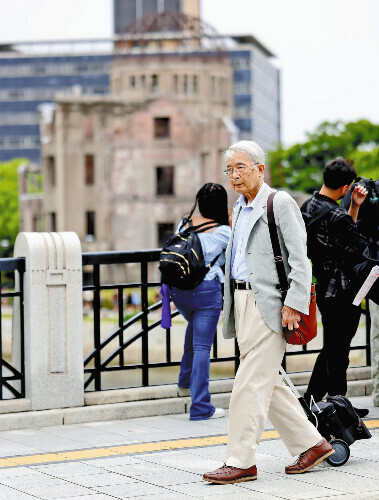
(341, 453)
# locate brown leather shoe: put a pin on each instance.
(228, 475)
(311, 457)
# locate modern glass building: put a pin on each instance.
(32, 74)
(256, 92)
(27, 80)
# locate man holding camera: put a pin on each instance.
(334, 246)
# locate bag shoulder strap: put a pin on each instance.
(201, 227)
(278, 257)
(205, 226)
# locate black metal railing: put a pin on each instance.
(115, 361)
(12, 379)
(97, 363)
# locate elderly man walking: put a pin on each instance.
(254, 313)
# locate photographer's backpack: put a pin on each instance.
(368, 215)
(368, 218)
(182, 260)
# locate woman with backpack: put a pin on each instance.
(201, 306)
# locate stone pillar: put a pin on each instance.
(53, 319)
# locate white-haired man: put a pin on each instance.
(254, 313)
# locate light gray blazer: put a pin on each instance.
(260, 261)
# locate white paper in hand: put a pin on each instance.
(365, 288)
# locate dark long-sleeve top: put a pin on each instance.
(334, 246)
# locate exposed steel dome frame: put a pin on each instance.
(170, 26)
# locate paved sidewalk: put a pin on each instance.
(57, 463)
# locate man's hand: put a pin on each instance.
(290, 318)
(358, 196)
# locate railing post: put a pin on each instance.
(96, 326)
(53, 319)
(145, 324)
(22, 329)
(1, 350)
(368, 333)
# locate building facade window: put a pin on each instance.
(185, 84)
(51, 171)
(89, 169)
(195, 85)
(242, 112)
(161, 127)
(214, 88)
(175, 86)
(165, 180)
(132, 81)
(53, 222)
(90, 226)
(35, 224)
(164, 229)
(154, 84)
(88, 124)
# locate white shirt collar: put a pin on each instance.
(242, 200)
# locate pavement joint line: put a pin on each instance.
(140, 448)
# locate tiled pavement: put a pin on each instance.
(171, 474)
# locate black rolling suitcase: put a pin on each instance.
(336, 420)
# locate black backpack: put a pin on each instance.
(182, 260)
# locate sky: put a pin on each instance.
(327, 50)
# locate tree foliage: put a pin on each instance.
(9, 213)
(300, 166)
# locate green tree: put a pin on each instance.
(300, 166)
(9, 213)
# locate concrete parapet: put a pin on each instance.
(14, 405)
(120, 411)
(31, 419)
(147, 393)
(169, 404)
(53, 319)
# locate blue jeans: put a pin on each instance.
(201, 307)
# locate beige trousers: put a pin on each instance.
(259, 392)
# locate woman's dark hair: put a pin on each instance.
(339, 172)
(212, 200)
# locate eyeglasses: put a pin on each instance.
(241, 170)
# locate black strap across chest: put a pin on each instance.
(278, 257)
(200, 229)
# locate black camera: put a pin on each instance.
(368, 215)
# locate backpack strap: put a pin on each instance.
(278, 257)
(211, 264)
(201, 227)
(204, 227)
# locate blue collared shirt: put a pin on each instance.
(241, 234)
